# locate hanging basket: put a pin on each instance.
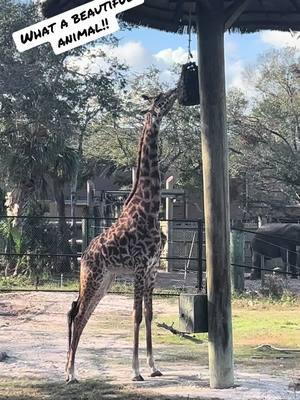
(188, 86)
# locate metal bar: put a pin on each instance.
(79, 219)
(125, 293)
(189, 257)
(39, 255)
(200, 250)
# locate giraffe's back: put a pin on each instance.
(124, 247)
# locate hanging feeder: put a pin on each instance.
(188, 86)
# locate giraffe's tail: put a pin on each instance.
(71, 316)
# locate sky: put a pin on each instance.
(143, 47)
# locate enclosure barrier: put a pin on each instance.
(45, 252)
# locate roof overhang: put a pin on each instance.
(175, 15)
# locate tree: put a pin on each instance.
(46, 105)
(265, 134)
(116, 138)
(46, 102)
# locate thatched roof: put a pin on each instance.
(173, 15)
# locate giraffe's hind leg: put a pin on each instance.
(91, 293)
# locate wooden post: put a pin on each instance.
(237, 257)
(210, 27)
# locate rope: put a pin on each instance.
(190, 55)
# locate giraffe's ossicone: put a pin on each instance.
(131, 244)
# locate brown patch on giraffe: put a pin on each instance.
(123, 240)
(147, 194)
(154, 174)
(142, 214)
(151, 221)
(155, 206)
(146, 207)
(146, 164)
(155, 190)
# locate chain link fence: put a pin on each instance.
(45, 252)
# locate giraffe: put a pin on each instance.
(131, 244)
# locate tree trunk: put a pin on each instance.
(73, 217)
(64, 262)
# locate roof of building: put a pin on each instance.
(175, 15)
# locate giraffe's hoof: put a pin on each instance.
(71, 381)
(138, 378)
(156, 373)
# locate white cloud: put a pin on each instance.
(173, 56)
(230, 45)
(281, 39)
(235, 74)
(138, 58)
(131, 53)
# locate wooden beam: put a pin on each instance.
(234, 11)
(210, 29)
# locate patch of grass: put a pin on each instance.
(15, 389)
(54, 283)
(15, 282)
(45, 283)
(254, 322)
(261, 326)
(250, 299)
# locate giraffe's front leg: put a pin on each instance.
(149, 286)
(137, 319)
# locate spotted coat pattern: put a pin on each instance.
(130, 245)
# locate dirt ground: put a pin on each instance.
(33, 333)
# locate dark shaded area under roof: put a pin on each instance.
(174, 15)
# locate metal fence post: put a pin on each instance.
(263, 272)
(200, 250)
(87, 238)
(287, 267)
(237, 240)
(84, 233)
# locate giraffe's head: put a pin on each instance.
(162, 104)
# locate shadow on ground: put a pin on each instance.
(14, 389)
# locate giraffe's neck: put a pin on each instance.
(147, 184)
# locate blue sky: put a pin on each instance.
(143, 47)
(154, 40)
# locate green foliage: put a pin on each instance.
(46, 105)
(264, 132)
(116, 139)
